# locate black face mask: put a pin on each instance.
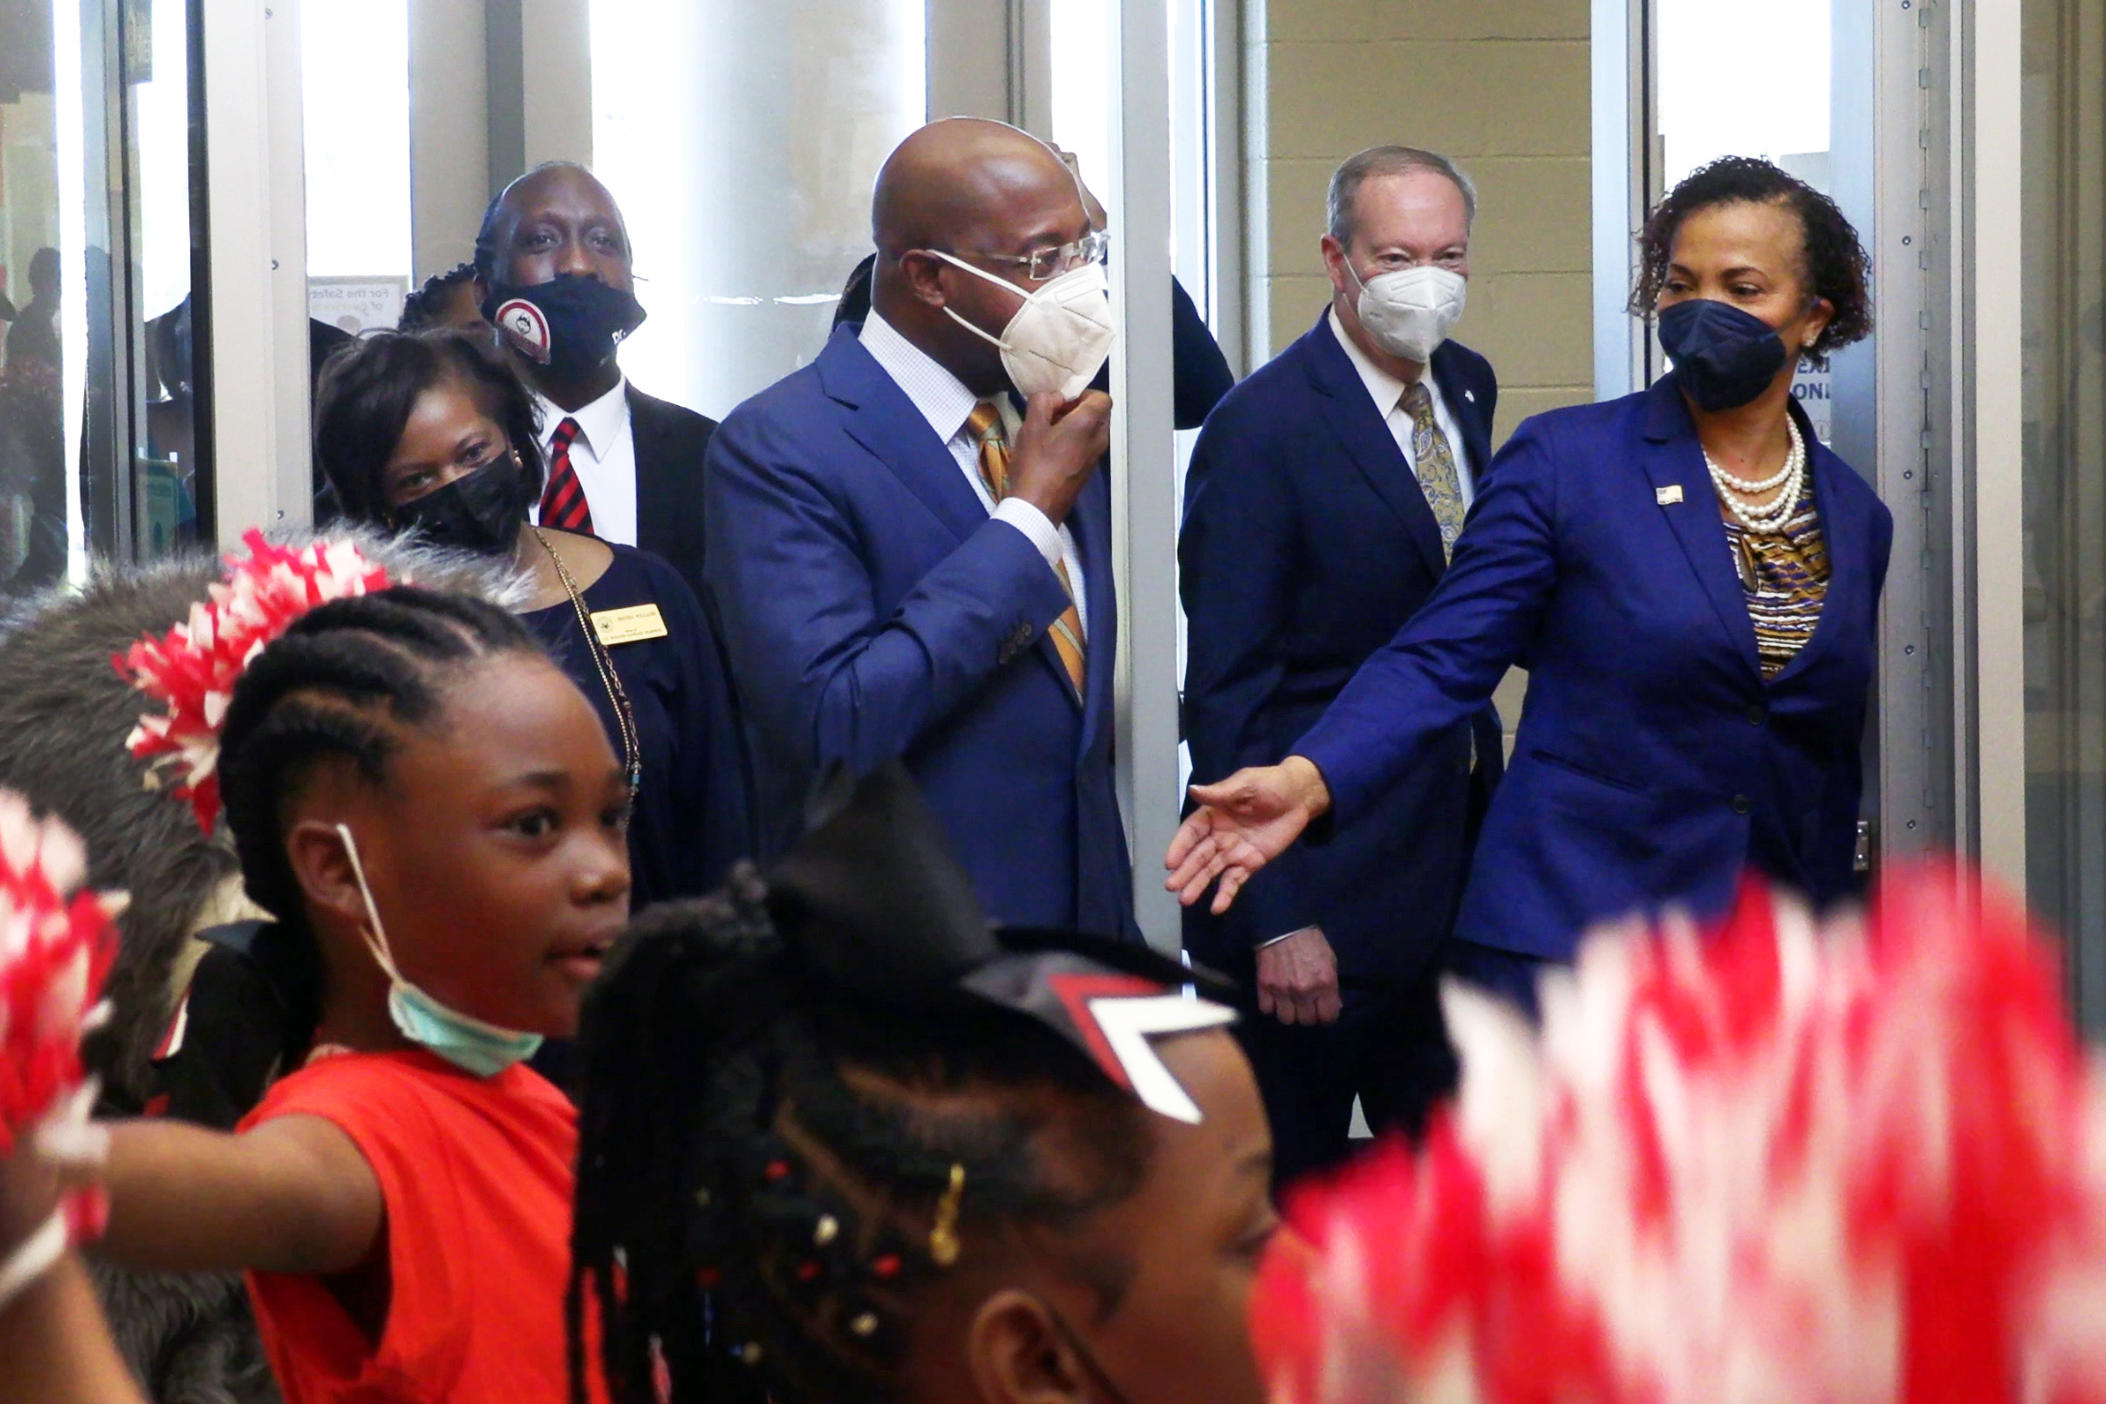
(479, 511)
(571, 324)
(1723, 357)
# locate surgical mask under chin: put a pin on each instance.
(1059, 339)
(463, 1040)
(1410, 312)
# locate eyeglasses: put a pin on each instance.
(1041, 264)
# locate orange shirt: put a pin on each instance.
(477, 1177)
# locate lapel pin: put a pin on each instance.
(1470, 395)
(1669, 495)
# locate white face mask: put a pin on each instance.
(1059, 338)
(1411, 311)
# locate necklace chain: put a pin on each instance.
(1773, 518)
(603, 664)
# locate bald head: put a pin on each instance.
(952, 179)
(979, 194)
(555, 219)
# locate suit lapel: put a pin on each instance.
(1840, 538)
(1090, 524)
(654, 515)
(1459, 388)
(1684, 496)
(1368, 444)
(885, 422)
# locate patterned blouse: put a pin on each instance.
(1785, 575)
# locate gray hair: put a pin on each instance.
(1388, 161)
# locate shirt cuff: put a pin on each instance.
(1036, 526)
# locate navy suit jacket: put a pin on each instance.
(1306, 545)
(872, 609)
(670, 442)
(1653, 761)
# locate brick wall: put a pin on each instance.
(1499, 85)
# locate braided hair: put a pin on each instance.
(425, 308)
(343, 681)
(768, 1168)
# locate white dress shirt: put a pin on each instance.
(945, 402)
(1388, 393)
(603, 455)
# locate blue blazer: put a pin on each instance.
(872, 609)
(1653, 762)
(1307, 544)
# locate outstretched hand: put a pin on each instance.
(1242, 824)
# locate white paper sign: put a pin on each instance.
(1814, 390)
(357, 305)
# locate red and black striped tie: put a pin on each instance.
(563, 504)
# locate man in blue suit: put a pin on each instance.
(1322, 502)
(907, 566)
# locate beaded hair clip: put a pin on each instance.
(943, 1235)
(830, 1250)
(192, 669)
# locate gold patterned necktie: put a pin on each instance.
(985, 425)
(1435, 462)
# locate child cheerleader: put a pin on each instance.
(431, 811)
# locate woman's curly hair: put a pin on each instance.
(1834, 265)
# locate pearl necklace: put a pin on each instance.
(1791, 477)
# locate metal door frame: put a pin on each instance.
(256, 214)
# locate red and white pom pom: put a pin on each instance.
(192, 669)
(56, 944)
(1769, 1163)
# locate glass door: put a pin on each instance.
(2064, 445)
(104, 449)
(38, 476)
(1840, 95)
(742, 142)
(1725, 87)
(170, 493)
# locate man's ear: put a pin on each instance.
(1335, 264)
(921, 269)
(1019, 1355)
(322, 865)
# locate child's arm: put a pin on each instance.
(291, 1195)
(57, 1346)
(53, 1339)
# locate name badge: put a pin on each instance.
(631, 625)
(1668, 496)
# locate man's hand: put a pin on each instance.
(1242, 824)
(1058, 449)
(1298, 979)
